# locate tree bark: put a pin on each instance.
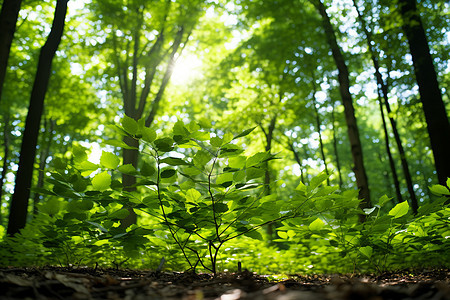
(8, 19)
(267, 178)
(20, 198)
(383, 95)
(131, 156)
(433, 106)
(45, 151)
(5, 159)
(336, 153)
(347, 101)
(319, 131)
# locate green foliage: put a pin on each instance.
(207, 201)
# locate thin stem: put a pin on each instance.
(158, 182)
(212, 198)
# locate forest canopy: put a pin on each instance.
(205, 133)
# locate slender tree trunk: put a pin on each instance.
(19, 202)
(135, 110)
(347, 101)
(8, 19)
(319, 131)
(336, 152)
(297, 159)
(45, 151)
(389, 153)
(433, 106)
(267, 178)
(383, 91)
(5, 159)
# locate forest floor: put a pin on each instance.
(87, 283)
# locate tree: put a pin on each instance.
(383, 96)
(144, 44)
(19, 202)
(8, 19)
(430, 94)
(344, 88)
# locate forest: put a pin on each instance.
(278, 136)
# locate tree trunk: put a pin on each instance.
(319, 131)
(389, 153)
(45, 151)
(8, 19)
(347, 101)
(298, 160)
(19, 202)
(336, 153)
(5, 159)
(267, 179)
(383, 94)
(430, 94)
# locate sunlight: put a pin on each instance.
(187, 68)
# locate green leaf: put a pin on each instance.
(174, 161)
(102, 229)
(368, 211)
(224, 177)
(316, 225)
(316, 181)
(244, 133)
(121, 144)
(220, 207)
(192, 195)
(101, 181)
(367, 251)
(282, 234)
(254, 235)
(164, 144)
(129, 125)
(148, 134)
(147, 169)
(119, 214)
(239, 176)
(167, 173)
(109, 160)
(237, 162)
(253, 173)
(301, 188)
(51, 207)
(399, 210)
(180, 130)
(256, 159)
(439, 190)
(87, 166)
(201, 159)
(216, 141)
(128, 169)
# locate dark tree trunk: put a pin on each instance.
(383, 95)
(430, 94)
(19, 202)
(45, 151)
(319, 131)
(389, 153)
(8, 19)
(267, 178)
(336, 152)
(130, 156)
(347, 101)
(298, 160)
(5, 159)
(135, 109)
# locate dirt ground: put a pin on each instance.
(88, 283)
